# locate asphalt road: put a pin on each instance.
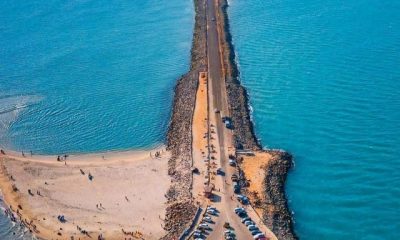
(218, 100)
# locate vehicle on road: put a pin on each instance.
(255, 232)
(242, 199)
(232, 162)
(204, 226)
(252, 227)
(216, 110)
(208, 219)
(258, 236)
(198, 236)
(242, 214)
(239, 209)
(220, 172)
(212, 212)
(245, 219)
(236, 187)
(229, 234)
(248, 223)
(234, 178)
(213, 19)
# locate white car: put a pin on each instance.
(207, 219)
(212, 212)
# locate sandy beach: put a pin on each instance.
(102, 194)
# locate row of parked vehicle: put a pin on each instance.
(204, 227)
(251, 226)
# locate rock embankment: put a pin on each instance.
(244, 135)
(276, 213)
(278, 219)
(181, 209)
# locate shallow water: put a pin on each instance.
(324, 80)
(89, 76)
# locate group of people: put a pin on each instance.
(62, 158)
(157, 154)
(83, 231)
(99, 206)
(31, 193)
(133, 234)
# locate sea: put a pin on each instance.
(323, 79)
(89, 75)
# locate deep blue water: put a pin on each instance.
(324, 83)
(87, 76)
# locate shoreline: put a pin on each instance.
(67, 191)
(279, 220)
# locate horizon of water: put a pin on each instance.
(89, 76)
(324, 84)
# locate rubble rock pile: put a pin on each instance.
(177, 213)
(180, 209)
(276, 213)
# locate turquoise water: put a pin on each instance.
(85, 76)
(324, 83)
(88, 76)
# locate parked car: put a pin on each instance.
(251, 227)
(207, 219)
(236, 187)
(198, 236)
(258, 236)
(212, 212)
(248, 223)
(229, 233)
(242, 214)
(243, 199)
(220, 172)
(245, 219)
(204, 226)
(232, 162)
(239, 209)
(255, 232)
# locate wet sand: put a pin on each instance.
(130, 187)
